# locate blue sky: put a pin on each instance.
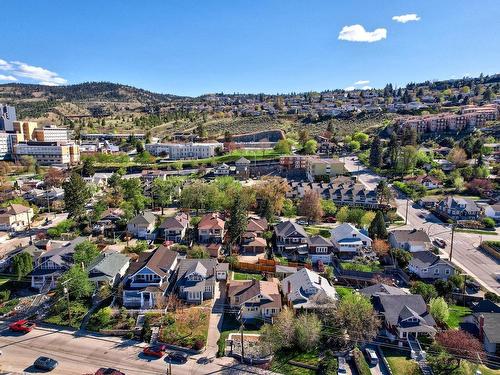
(191, 47)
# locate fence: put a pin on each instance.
(265, 265)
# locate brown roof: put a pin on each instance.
(16, 209)
(158, 261)
(211, 221)
(250, 288)
(257, 225)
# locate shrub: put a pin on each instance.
(4, 295)
(489, 222)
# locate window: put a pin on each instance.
(447, 271)
(436, 271)
(424, 270)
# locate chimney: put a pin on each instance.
(481, 327)
(319, 279)
(289, 287)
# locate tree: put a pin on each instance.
(343, 214)
(408, 159)
(360, 137)
(308, 330)
(76, 196)
(377, 227)
(393, 149)
(376, 153)
(439, 309)
(76, 281)
(384, 194)
(274, 189)
(132, 194)
(381, 247)
(283, 146)
(310, 206)
(355, 318)
(367, 219)
(28, 162)
(310, 147)
(54, 178)
(402, 257)
(22, 264)
(198, 252)
(427, 291)
(458, 183)
(457, 156)
(163, 191)
(289, 208)
(354, 145)
(329, 208)
(265, 209)
(85, 253)
(281, 333)
(88, 168)
(461, 345)
(238, 220)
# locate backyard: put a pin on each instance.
(363, 267)
(400, 363)
(457, 314)
(231, 325)
(246, 276)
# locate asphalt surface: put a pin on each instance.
(465, 253)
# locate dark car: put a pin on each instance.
(179, 357)
(155, 350)
(439, 242)
(46, 363)
(108, 371)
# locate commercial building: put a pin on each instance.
(7, 117)
(6, 145)
(324, 168)
(179, 151)
(48, 153)
(25, 130)
(51, 134)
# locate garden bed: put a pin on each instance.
(107, 319)
(362, 267)
(187, 327)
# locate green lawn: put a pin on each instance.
(476, 231)
(246, 276)
(315, 230)
(343, 291)
(371, 267)
(8, 306)
(280, 362)
(469, 368)
(457, 314)
(400, 363)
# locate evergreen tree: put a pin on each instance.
(22, 264)
(376, 153)
(76, 195)
(238, 219)
(88, 168)
(393, 149)
(377, 227)
(266, 209)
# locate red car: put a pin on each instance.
(331, 219)
(22, 326)
(155, 350)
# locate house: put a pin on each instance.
(348, 240)
(428, 181)
(108, 269)
(211, 228)
(428, 202)
(291, 240)
(242, 167)
(254, 299)
(493, 211)
(486, 319)
(427, 265)
(411, 240)
(148, 278)
(51, 264)
(320, 249)
(224, 170)
(215, 250)
(381, 289)
(15, 217)
(284, 271)
(459, 208)
(305, 289)
(324, 168)
(252, 241)
(174, 228)
(196, 278)
(142, 226)
(99, 179)
(404, 316)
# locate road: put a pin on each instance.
(79, 355)
(465, 254)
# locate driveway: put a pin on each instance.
(216, 316)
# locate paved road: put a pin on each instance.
(465, 254)
(79, 355)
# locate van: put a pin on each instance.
(342, 366)
(371, 356)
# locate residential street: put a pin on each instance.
(79, 355)
(465, 255)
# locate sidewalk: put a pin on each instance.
(216, 317)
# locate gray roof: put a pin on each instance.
(107, 265)
(204, 267)
(319, 241)
(398, 307)
(457, 203)
(179, 221)
(382, 289)
(145, 218)
(491, 327)
(410, 235)
(424, 259)
(288, 228)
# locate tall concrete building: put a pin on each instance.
(25, 130)
(51, 134)
(7, 141)
(7, 117)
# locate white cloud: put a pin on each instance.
(3, 77)
(406, 18)
(362, 82)
(18, 69)
(366, 88)
(350, 88)
(357, 33)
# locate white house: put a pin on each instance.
(348, 240)
(493, 211)
(411, 240)
(142, 226)
(307, 289)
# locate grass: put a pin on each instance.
(469, 368)
(457, 314)
(8, 306)
(4, 280)
(400, 364)
(370, 267)
(282, 260)
(343, 291)
(246, 276)
(361, 364)
(186, 327)
(59, 314)
(230, 325)
(476, 231)
(280, 362)
(315, 230)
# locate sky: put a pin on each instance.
(193, 47)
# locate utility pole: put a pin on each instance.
(406, 214)
(29, 226)
(452, 236)
(66, 292)
(242, 341)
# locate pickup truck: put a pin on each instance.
(22, 326)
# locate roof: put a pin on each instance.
(108, 264)
(486, 306)
(399, 307)
(158, 261)
(211, 221)
(319, 241)
(179, 221)
(410, 235)
(425, 259)
(289, 228)
(204, 267)
(16, 209)
(242, 160)
(145, 218)
(257, 224)
(249, 289)
(345, 231)
(381, 289)
(306, 288)
(457, 202)
(491, 327)
(285, 269)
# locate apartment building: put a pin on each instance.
(180, 151)
(324, 168)
(48, 153)
(6, 145)
(289, 162)
(7, 117)
(25, 130)
(51, 134)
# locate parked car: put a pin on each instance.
(302, 221)
(46, 363)
(108, 371)
(155, 350)
(331, 219)
(342, 366)
(178, 357)
(371, 356)
(22, 326)
(439, 242)
(473, 286)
